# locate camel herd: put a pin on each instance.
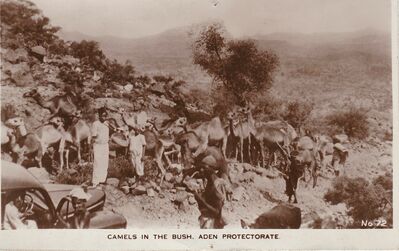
(207, 143)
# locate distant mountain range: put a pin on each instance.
(170, 51)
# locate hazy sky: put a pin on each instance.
(137, 18)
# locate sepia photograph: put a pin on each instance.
(189, 115)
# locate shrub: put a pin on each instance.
(297, 113)
(365, 201)
(24, 18)
(75, 175)
(352, 122)
(269, 108)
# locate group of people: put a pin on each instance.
(100, 139)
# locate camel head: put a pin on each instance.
(245, 110)
(57, 122)
(14, 122)
(231, 116)
(17, 123)
(182, 121)
(124, 130)
(30, 93)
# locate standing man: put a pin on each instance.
(100, 138)
(137, 145)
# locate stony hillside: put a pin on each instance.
(320, 75)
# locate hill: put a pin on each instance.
(170, 52)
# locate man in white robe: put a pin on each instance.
(100, 138)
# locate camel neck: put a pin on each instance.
(21, 129)
(231, 126)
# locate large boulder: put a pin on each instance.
(15, 56)
(19, 74)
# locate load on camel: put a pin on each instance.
(59, 105)
(34, 144)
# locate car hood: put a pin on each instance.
(59, 191)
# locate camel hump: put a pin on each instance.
(273, 134)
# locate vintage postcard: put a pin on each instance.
(199, 124)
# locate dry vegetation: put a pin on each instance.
(345, 88)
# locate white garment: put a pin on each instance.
(100, 164)
(12, 219)
(101, 131)
(136, 143)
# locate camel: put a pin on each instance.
(276, 136)
(210, 159)
(245, 128)
(72, 138)
(212, 156)
(60, 104)
(212, 130)
(231, 133)
(34, 143)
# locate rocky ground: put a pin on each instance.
(255, 191)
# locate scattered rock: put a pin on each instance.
(139, 190)
(124, 183)
(15, 56)
(39, 50)
(167, 185)
(247, 177)
(191, 200)
(131, 181)
(150, 192)
(238, 193)
(125, 189)
(113, 182)
(168, 177)
(181, 196)
(247, 167)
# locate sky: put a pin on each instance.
(138, 18)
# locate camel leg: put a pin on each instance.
(314, 174)
(178, 149)
(249, 150)
(61, 149)
(67, 158)
(262, 154)
(242, 149)
(271, 159)
(224, 146)
(166, 155)
(236, 150)
(79, 154)
(201, 149)
(158, 159)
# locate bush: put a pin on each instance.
(268, 108)
(365, 201)
(75, 175)
(352, 122)
(297, 113)
(24, 18)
